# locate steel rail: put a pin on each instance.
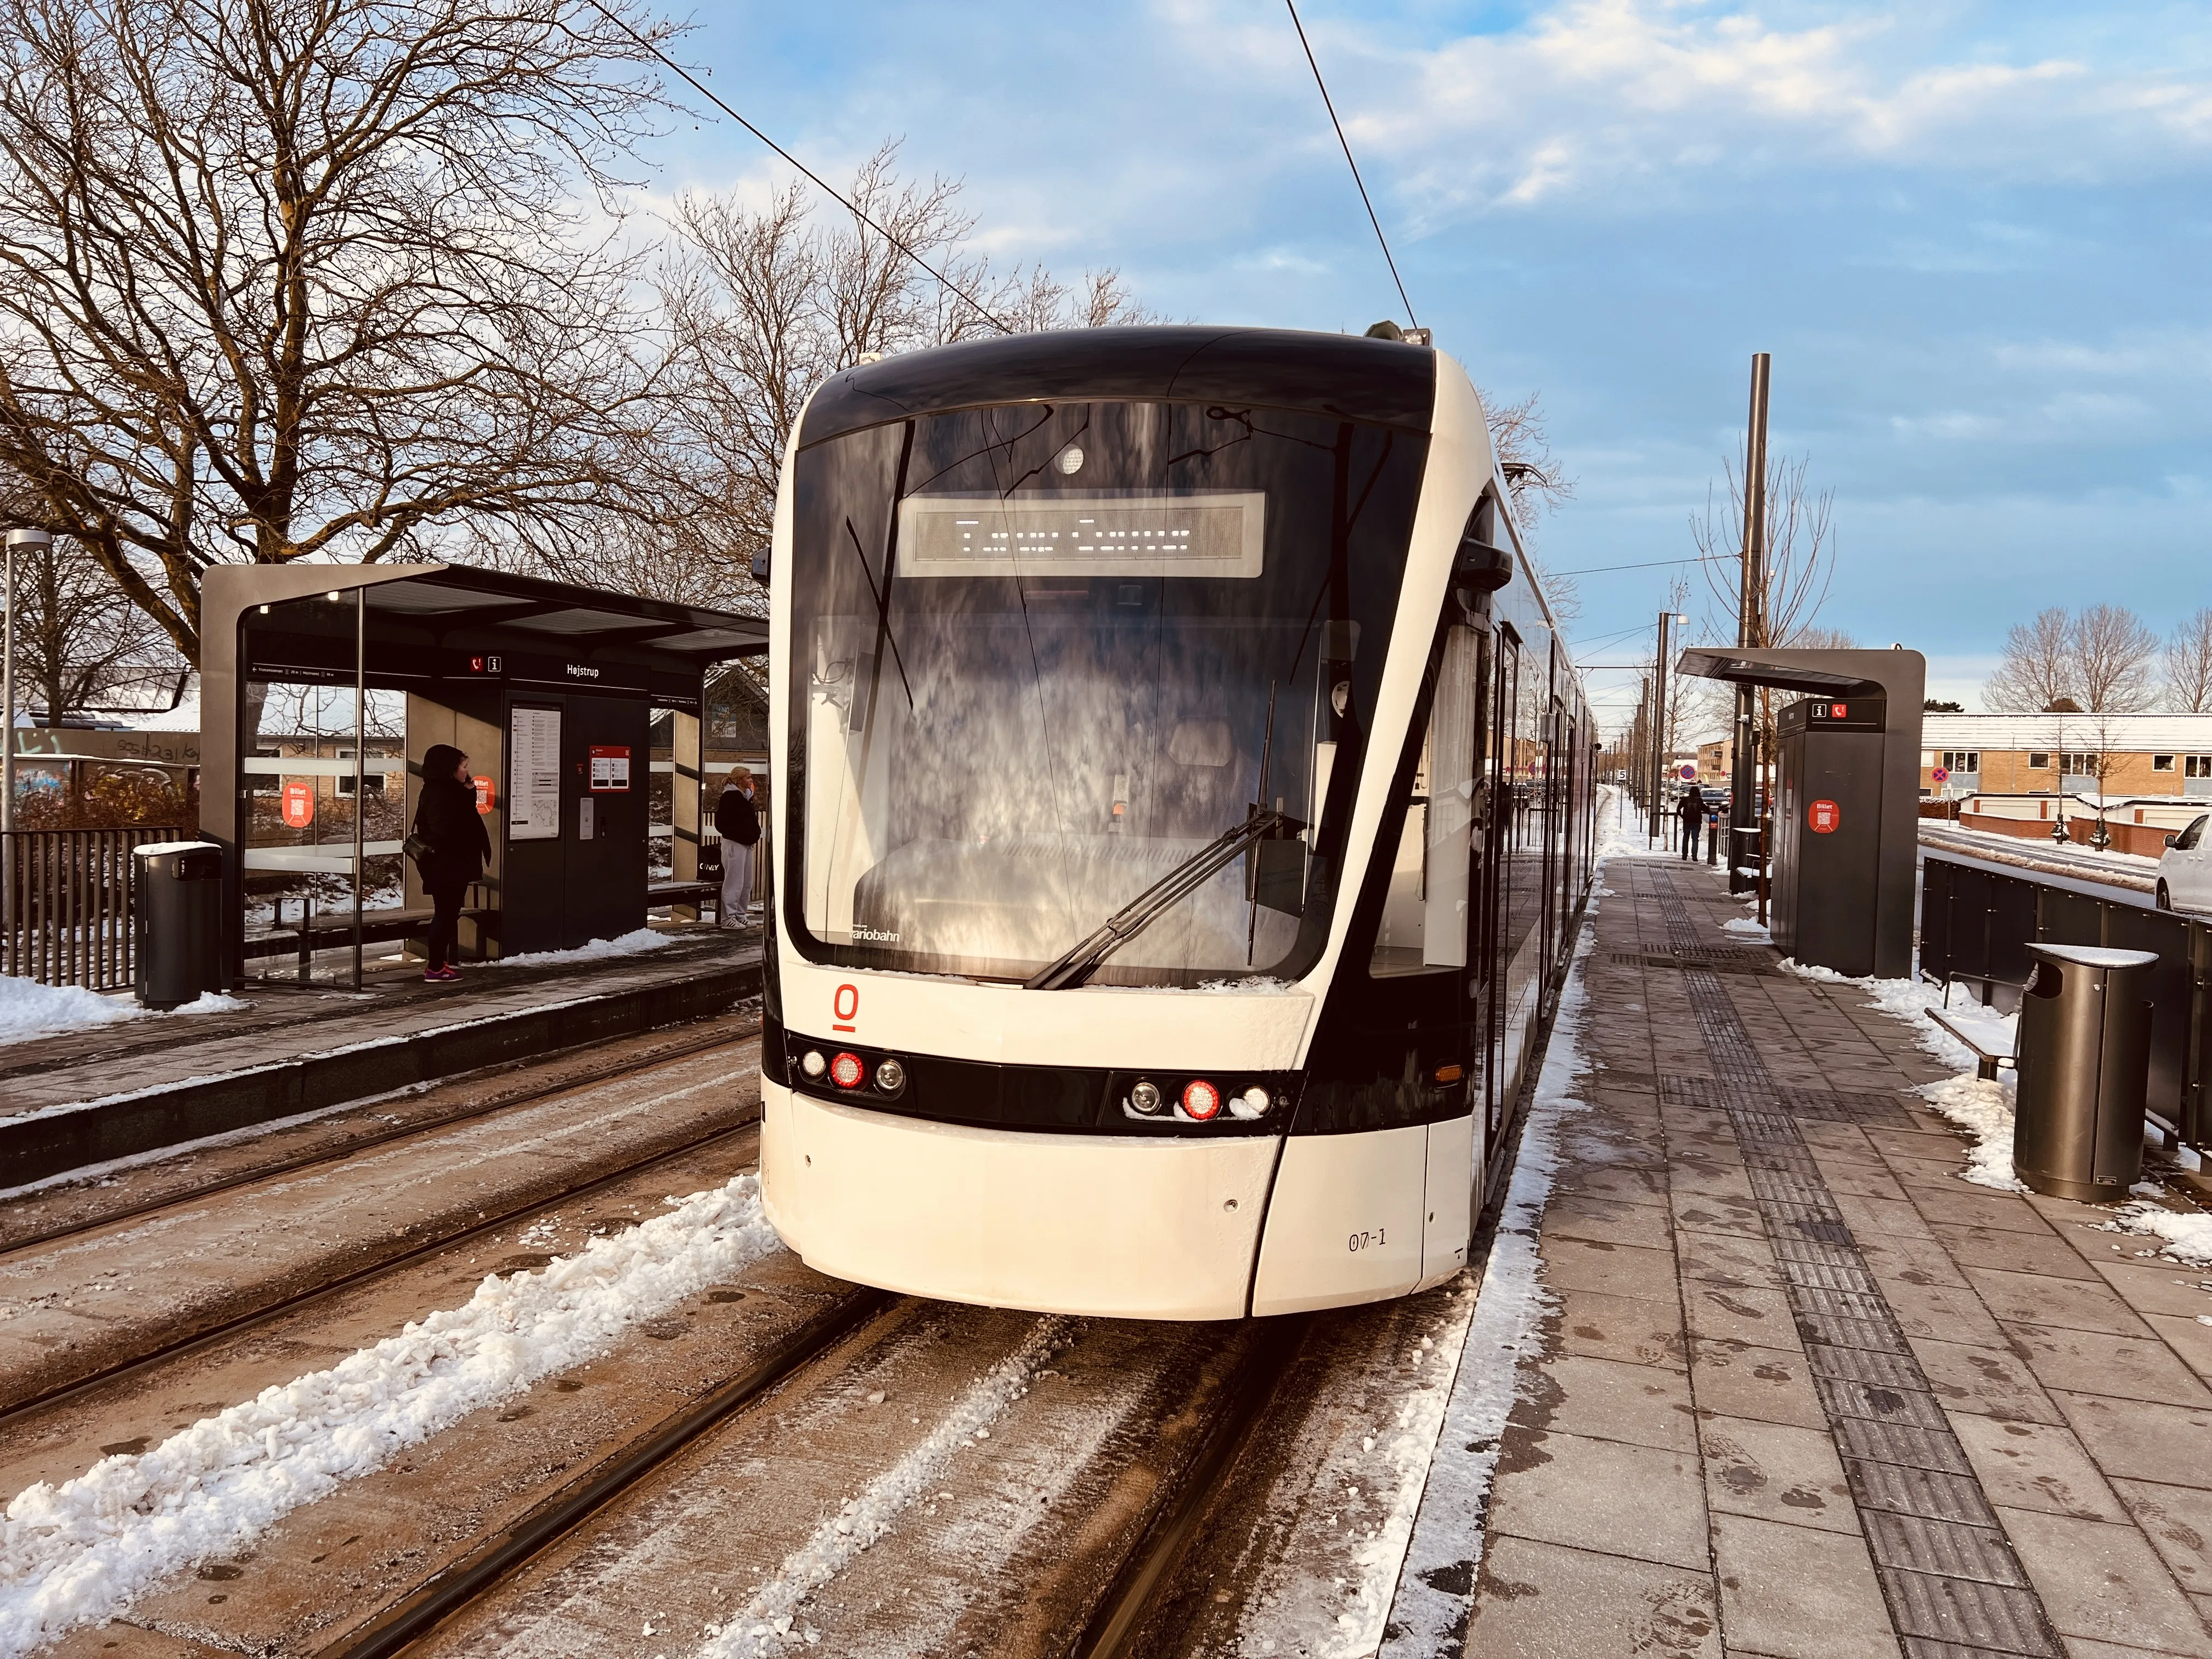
(399, 1131)
(14, 1410)
(461, 1582)
(1119, 1618)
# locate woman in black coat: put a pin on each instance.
(446, 816)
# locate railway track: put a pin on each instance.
(491, 1558)
(338, 1153)
(1119, 1622)
(241, 1321)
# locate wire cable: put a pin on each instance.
(1330, 105)
(1652, 564)
(850, 206)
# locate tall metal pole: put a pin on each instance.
(25, 538)
(1750, 626)
(360, 765)
(1659, 730)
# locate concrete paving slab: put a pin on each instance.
(1931, 1419)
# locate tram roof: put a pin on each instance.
(1345, 375)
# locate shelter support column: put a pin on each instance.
(685, 739)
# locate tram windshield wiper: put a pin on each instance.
(1262, 823)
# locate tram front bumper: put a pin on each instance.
(1149, 1228)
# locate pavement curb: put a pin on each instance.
(51, 1143)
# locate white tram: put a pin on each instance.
(1182, 801)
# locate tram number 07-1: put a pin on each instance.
(1370, 1239)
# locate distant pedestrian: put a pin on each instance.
(455, 852)
(737, 817)
(1693, 808)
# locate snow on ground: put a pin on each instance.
(1436, 1580)
(636, 942)
(1983, 1109)
(28, 1009)
(771, 1617)
(2042, 843)
(1747, 927)
(75, 1554)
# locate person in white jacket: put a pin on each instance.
(737, 819)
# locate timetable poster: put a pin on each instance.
(533, 785)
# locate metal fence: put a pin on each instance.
(1976, 924)
(65, 904)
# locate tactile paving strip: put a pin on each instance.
(1954, 1584)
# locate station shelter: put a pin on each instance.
(551, 690)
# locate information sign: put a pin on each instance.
(1822, 817)
(610, 767)
(533, 775)
(487, 796)
(299, 804)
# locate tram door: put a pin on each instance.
(1495, 865)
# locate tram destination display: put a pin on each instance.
(1197, 532)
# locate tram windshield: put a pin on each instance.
(1042, 655)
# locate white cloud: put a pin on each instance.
(1616, 98)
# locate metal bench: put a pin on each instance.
(1986, 1059)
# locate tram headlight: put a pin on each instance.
(890, 1076)
(1200, 1100)
(812, 1063)
(1252, 1104)
(845, 1071)
(1144, 1096)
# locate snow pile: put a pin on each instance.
(771, 1615)
(1749, 928)
(2188, 1233)
(30, 1009)
(1436, 1582)
(75, 1554)
(1983, 1109)
(636, 942)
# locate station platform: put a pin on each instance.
(1801, 1389)
(88, 1096)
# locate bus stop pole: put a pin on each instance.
(360, 765)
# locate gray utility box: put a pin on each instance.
(1829, 834)
(2084, 1072)
(177, 920)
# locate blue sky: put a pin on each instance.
(1975, 238)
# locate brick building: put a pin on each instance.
(2131, 754)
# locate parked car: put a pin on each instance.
(2184, 869)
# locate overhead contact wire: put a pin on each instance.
(1329, 103)
(828, 189)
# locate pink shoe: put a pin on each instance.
(441, 975)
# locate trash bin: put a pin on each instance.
(2084, 1072)
(177, 920)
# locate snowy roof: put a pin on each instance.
(2124, 732)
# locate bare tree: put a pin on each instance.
(80, 643)
(1801, 551)
(2038, 664)
(2101, 659)
(309, 279)
(2189, 665)
(1535, 485)
(2112, 656)
(765, 303)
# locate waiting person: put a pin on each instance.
(737, 819)
(446, 818)
(1693, 808)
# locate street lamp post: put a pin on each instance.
(1659, 733)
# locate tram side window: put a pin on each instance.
(1428, 906)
